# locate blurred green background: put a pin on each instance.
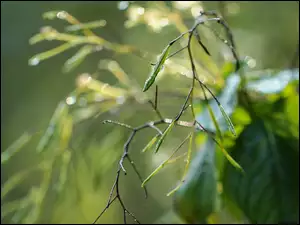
(266, 31)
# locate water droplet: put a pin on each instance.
(250, 62)
(71, 100)
(34, 61)
(123, 5)
(62, 15)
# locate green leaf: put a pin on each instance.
(89, 25)
(230, 125)
(197, 197)
(231, 160)
(63, 173)
(158, 66)
(15, 147)
(51, 14)
(35, 60)
(164, 162)
(269, 191)
(189, 154)
(60, 112)
(78, 58)
(151, 143)
(228, 100)
(270, 82)
(15, 180)
(160, 141)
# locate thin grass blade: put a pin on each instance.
(169, 128)
(151, 143)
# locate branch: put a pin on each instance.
(176, 119)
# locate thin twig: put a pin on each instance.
(155, 109)
(153, 124)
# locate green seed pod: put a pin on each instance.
(158, 66)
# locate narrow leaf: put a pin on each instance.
(15, 147)
(157, 68)
(189, 154)
(149, 145)
(228, 120)
(228, 157)
(175, 189)
(66, 157)
(231, 160)
(78, 58)
(48, 54)
(164, 162)
(215, 122)
(226, 101)
(66, 131)
(15, 180)
(89, 25)
(163, 136)
(58, 114)
(176, 158)
(51, 14)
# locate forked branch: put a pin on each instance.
(161, 135)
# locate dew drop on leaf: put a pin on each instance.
(34, 61)
(61, 15)
(71, 100)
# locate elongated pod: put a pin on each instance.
(158, 66)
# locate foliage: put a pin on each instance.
(246, 133)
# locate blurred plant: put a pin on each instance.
(261, 104)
